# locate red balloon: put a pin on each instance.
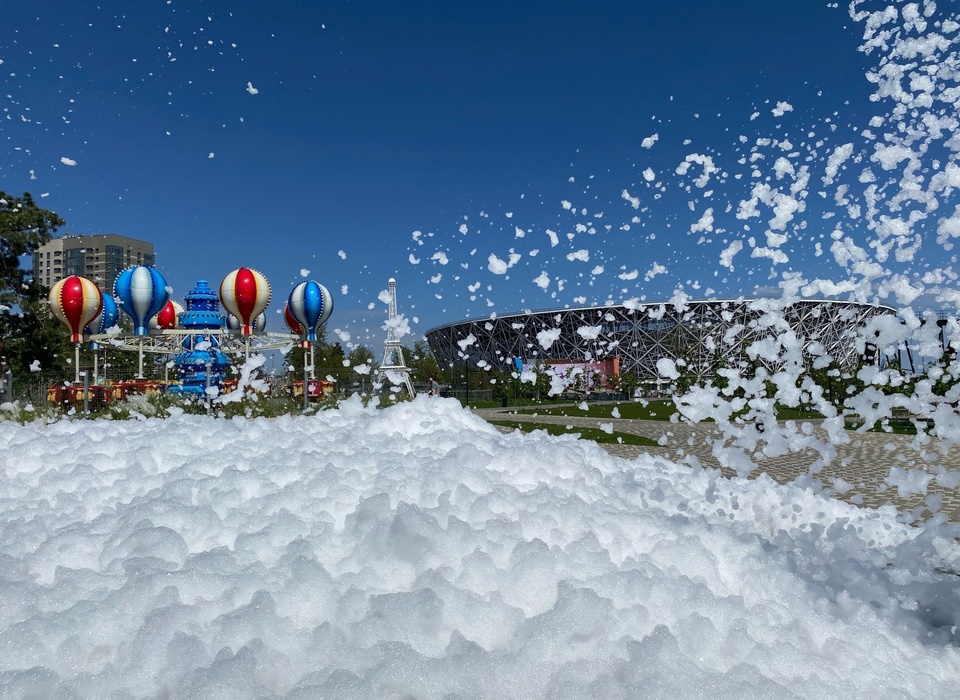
(75, 301)
(168, 317)
(292, 323)
(245, 293)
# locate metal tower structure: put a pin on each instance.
(393, 368)
(701, 333)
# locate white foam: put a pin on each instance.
(415, 550)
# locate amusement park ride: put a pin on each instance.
(201, 337)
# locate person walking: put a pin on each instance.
(434, 388)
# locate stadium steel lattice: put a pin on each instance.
(700, 333)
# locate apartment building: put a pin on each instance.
(99, 257)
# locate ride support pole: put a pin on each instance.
(206, 392)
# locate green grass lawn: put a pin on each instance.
(785, 413)
(894, 427)
(482, 404)
(594, 434)
(654, 410)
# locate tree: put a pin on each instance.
(330, 357)
(24, 227)
(361, 355)
(629, 381)
(295, 359)
(28, 331)
(33, 338)
(422, 363)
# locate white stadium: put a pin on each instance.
(696, 335)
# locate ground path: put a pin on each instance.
(863, 463)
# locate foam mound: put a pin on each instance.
(415, 551)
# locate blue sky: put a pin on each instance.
(466, 122)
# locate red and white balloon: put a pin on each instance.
(292, 323)
(245, 293)
(168, 317)
(75, 301)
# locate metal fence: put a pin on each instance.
(31, 390)
(41, 386)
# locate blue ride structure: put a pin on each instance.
(201, 364)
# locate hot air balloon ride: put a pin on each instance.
(214, 326)
(75, 301)
(245, 293)
(142, 293)
(308, 306)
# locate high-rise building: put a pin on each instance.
(99, 258)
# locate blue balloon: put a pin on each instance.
(327, 305)
(306, 305)
(106, 319)
(142, 293)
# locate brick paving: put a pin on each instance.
(863, 463)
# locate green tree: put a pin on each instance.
(629, 381)
(295, 358)
(32, 337)
(361, 355)
(330, 357)
(351, 379)
(28, 331)
(422, 363)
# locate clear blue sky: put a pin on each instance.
(372, 120)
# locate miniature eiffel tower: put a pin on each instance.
(393, 350)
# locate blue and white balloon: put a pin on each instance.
(105, 320)
(311, 305)
(142, 293)
(327, 306)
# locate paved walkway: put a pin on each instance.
(863, 464)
